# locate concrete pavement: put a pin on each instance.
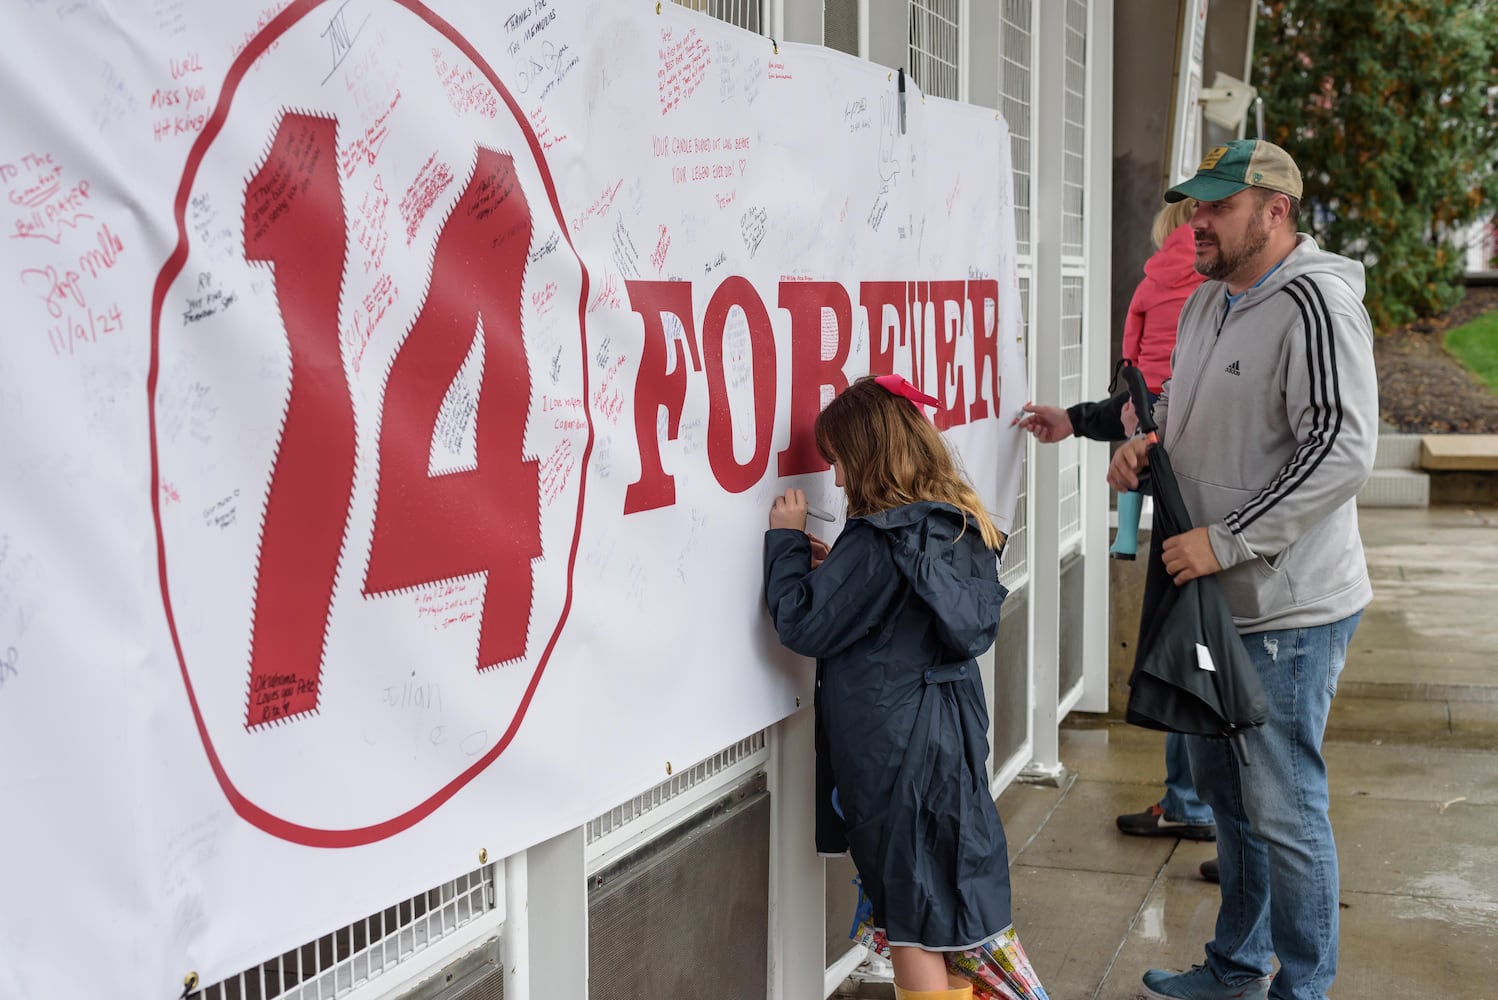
(1412, 749)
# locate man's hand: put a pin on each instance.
(789, 511)
(1189, 555)
(1123, 471)
(1049, 424)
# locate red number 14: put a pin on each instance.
(426, 528)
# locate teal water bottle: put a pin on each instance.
(1126, 540)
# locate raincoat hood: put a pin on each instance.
(932, 545)
(1174, 264)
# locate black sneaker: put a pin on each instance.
(1152, 823)
(1209, 871)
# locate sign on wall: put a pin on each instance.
(394, 396)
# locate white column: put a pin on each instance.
(1049, 90)
(798, 895)
(546, 946)
(516, 941)
(798, 21)
(1098, 248)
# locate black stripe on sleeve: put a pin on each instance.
(1326, 405)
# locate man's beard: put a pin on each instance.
(1255, 239)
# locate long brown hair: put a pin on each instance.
(892, 455)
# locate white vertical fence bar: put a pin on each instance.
(517, 940)
(1099, 254)
(1016, 59)
(798, 895)
(556, 916)
(1049, 95)
(964, 25)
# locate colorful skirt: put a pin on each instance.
(998, 968)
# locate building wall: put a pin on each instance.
(1147, 43)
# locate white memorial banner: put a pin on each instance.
(393, 399)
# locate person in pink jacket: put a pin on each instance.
(1170, 276)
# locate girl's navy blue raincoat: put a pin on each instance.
(895, 616)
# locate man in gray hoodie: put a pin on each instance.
(1270, 420)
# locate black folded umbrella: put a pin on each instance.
(1191, 671)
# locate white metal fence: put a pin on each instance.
(935, 47)
(355, 955)
(746, 14)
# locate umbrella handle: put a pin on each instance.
(1240, 746)
(1140, 394)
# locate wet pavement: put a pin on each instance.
(1412, 750)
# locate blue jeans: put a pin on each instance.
(1275, 850)
(1181, 803)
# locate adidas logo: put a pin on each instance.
(1232, 369)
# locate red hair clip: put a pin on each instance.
(898, 385)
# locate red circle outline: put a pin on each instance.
(247, 810)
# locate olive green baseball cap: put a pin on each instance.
(1242, 163)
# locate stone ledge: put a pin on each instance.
(1388, 487)
(1459, 452)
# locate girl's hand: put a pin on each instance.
(789, 511)
(819, 550)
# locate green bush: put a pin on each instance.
(1388, 108)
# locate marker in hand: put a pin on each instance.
(819, 513)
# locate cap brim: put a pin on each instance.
(1204, 189)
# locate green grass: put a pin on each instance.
(1475, 345)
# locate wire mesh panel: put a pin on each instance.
(1011, 684)
(1016, 48)
(935, 38)
(1016, 567)
(335, 964)
(840, 25)
(1075, 130)
(746, 14)
(687, 916)
(1073, 301)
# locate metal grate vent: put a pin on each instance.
(688, 916)
(935, 44)
(840, 25)
(702, 773)
(746, 14)
(479, 974)
(335, 964)
(1011, 683)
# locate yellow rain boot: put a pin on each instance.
(955, 993)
